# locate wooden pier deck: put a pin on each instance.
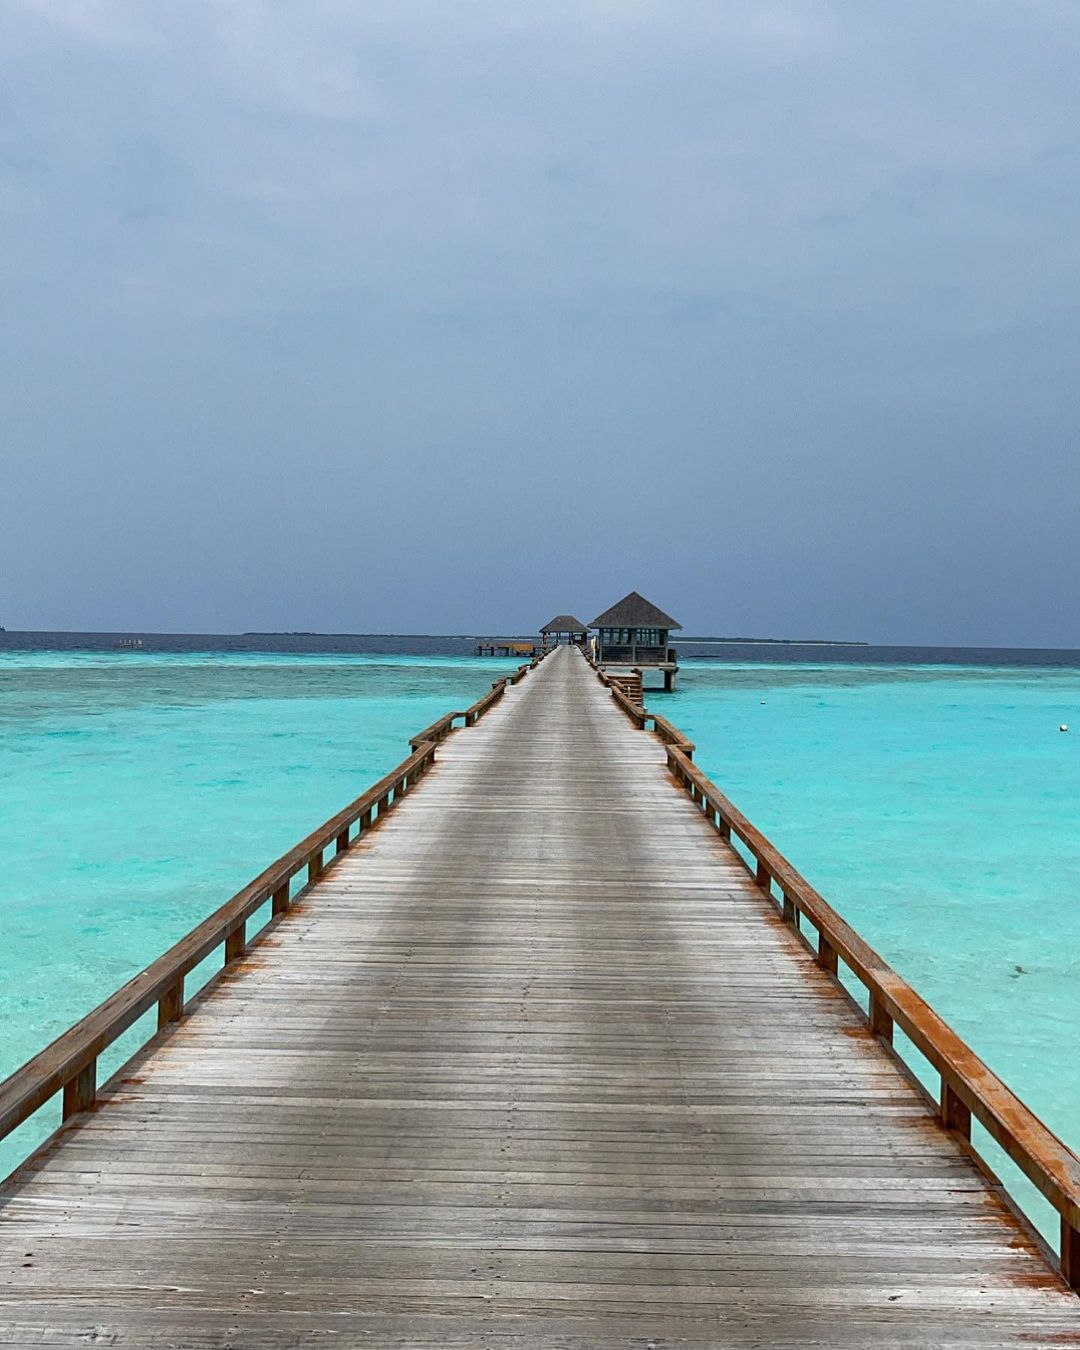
(532, 1064)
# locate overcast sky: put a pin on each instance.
(369, 315)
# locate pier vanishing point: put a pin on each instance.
(517, 1050)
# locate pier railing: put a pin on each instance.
(69, 1065)
(969, 1089)
(438, 731)
(634, 711)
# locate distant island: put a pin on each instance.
(783, 642)
(735, 641)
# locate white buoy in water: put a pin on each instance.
(763, 703)
(1064, 726)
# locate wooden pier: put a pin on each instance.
(506, 647)
(530, 1059)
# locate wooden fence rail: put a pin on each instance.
(69, 1064)
(969, 1089)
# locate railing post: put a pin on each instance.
(280, 901)
(881, 1024)
(365, 820)
(315, 867)
(791, 914)
(236, 943)
(826, 954)
(955, 1115)
(170, 1006)
(1070, 1253)
(763, 876)
(342, 841)
(80, 1091)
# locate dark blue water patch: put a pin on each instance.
(811, 653)
(315, 644)
(426, 644)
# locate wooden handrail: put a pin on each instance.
(969, 1088)
(634, 711)
(473, 714)
(69, 1063)
(438, 731)
(671, 735)
(75, 1052)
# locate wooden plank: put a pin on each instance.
(532, 1064)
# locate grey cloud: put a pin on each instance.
(790, 288)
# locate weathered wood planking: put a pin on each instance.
(533, 1064)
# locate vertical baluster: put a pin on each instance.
(280, 901)
(826, 954)
(955, 1114)
(171, 1004)
(80, 1091)
(881, 1024)
(1070, 1253)
(236, 943)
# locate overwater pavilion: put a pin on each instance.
(634, 634)
(564, 628)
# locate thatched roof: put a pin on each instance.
(565, 623)
(634, 611)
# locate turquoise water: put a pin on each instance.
(936, 808)
(138, 792)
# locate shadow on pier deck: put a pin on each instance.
(531, 1059)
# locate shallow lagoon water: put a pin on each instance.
(935, 806)
(139, 791)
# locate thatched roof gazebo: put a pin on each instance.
(635, 633)
(565, 627)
